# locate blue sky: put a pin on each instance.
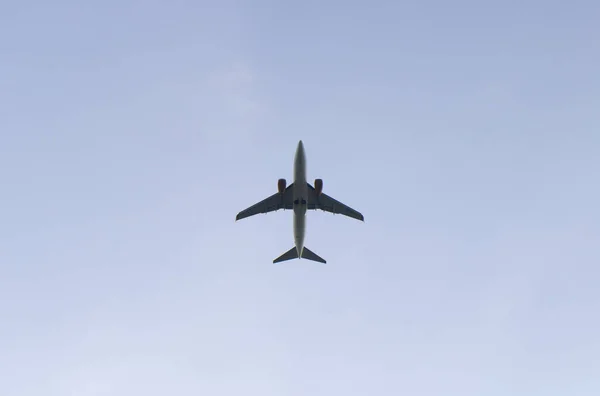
(467, 133)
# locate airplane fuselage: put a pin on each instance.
(300, 198)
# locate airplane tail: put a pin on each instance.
(293, 253)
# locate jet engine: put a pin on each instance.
(318, 186)
(281, 184)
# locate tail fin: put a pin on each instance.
(293, 253)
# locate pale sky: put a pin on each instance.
(133, 132)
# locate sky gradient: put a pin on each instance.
(467, 133)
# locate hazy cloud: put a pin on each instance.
(236, 90)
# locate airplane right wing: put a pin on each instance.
(328, 204)
(274, 202)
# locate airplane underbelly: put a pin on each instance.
(300, 197)
(299, 230)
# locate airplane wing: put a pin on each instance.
(328, 204)
(274, 202)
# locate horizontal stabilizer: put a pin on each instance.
(290, 254)
(307, 254)
(293, 254)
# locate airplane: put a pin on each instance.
(299, 196)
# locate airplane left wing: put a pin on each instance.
(328, 204)
(274, 202)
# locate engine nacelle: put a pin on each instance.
(318, 186)
(281, 184)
